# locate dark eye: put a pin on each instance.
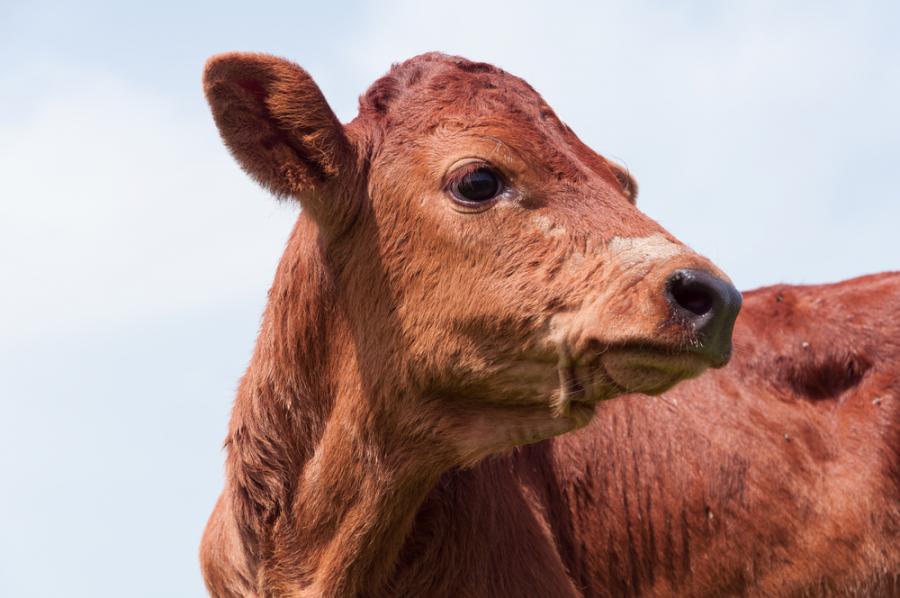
(477, 186)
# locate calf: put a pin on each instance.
(466, 277)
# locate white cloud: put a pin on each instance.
(134, 260)
(118, 204)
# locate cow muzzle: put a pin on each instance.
(671, 325)
(702, 311)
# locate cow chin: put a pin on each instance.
(650, 371)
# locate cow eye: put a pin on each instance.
(477, 186)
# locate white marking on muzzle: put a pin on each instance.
(631, 251)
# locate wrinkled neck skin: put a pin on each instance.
(321, 492)
(353, 504)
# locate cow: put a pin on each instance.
(466, 278)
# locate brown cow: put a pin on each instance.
(466, 277)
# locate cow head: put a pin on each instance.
(487, 261)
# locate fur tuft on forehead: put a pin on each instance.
(410, 73)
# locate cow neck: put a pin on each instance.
(326, 478)
(355, 503)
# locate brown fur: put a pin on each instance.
(405, 341)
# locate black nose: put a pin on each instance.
(709, 305)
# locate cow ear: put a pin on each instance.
(277, 124)
(629, 185)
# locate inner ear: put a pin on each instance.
(278, 125)
(626, 181)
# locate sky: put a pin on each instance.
(135, 256)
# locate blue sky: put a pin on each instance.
(136, 256)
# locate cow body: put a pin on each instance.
(466, 278)
(776, 476)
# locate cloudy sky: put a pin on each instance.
(135, 256)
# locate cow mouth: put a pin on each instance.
(624, 369)
(651, 370)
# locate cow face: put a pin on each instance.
(483, 253)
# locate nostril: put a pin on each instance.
(692, 295)
(705, 306)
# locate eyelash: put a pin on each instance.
(463, 171)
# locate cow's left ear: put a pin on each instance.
(629, 185)
(279, 127)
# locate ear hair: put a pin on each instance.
(629, 185)
(278, 125)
